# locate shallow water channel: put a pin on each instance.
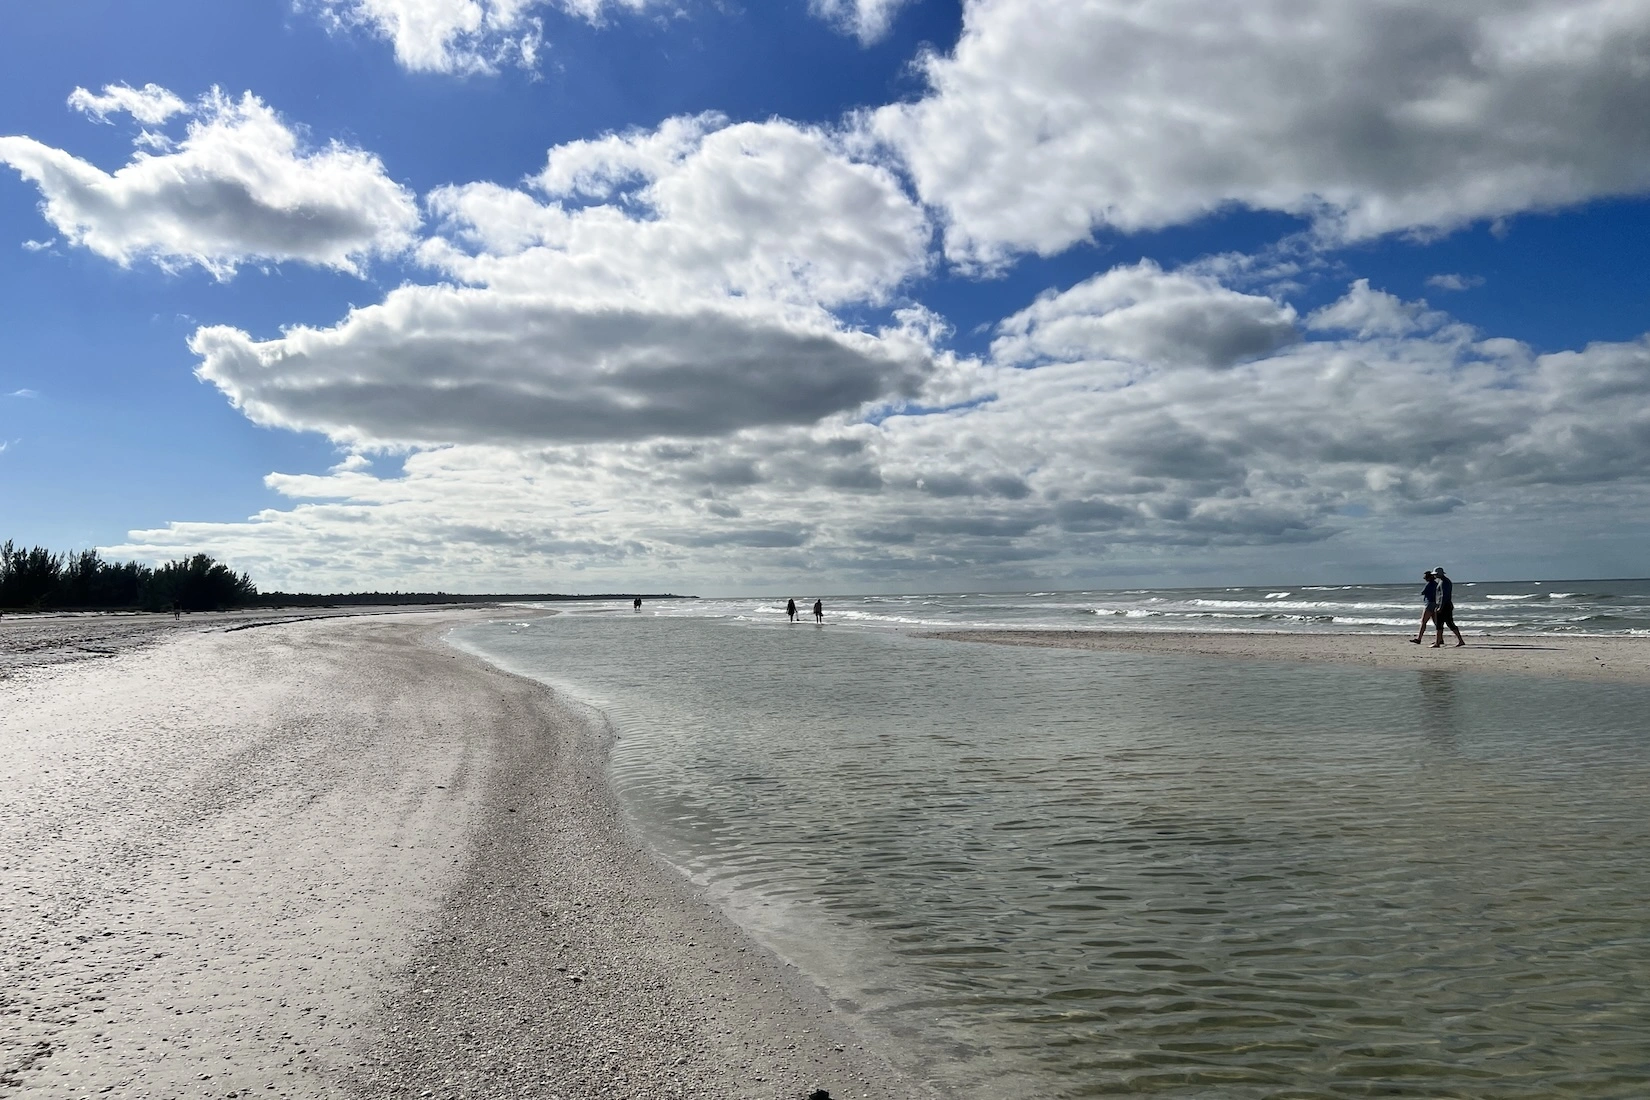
(1039, 872)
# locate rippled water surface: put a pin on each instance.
(1051, 873)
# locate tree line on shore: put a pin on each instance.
(37, 579)
(34, 578)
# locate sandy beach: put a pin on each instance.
(40, 640)
(1614, 659)
(332, 857)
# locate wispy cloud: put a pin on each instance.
(465, 36)
(1452, 281)
(867, 20)
(149, 104)
(23, 393)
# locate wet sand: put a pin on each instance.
(336, 858)
(1619, 659)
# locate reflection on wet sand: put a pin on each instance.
(1438, 713)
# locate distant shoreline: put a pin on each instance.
(34, 639)
(436, 599)
(277, 601)
(1604, 658)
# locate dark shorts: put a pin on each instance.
(1444, 616)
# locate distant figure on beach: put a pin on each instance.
(790, 609)
(177, 610)
(1430, 595)
(1445, 615)
(636, 604)
(819, 611)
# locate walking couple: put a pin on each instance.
(819, 610)
(1440, 610)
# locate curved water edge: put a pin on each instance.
(1048, 873)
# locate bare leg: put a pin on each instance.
(1426, 617)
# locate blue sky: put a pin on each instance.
(563, 294)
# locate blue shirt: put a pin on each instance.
(1430, 593)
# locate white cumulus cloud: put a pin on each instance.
(771, 209)
(1092, 440)
(444, 364)
(239, 186)
(1144, 314)
(1369, 312)
(1052, 118)
(689, 300)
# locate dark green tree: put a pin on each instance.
(197, 584)
(28, 578)
(37, 579)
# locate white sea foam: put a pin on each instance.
(1613, 607)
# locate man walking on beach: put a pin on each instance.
(1445, 615)
(819, 611)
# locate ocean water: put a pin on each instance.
(1501, 607)
(1048, 873)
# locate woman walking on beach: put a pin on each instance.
(1430, 595)
(790, 610)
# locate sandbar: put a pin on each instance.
(339, 858)
(1612, 659)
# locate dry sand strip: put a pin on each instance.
(338, 859)
(40, 639)
(1617, 659)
